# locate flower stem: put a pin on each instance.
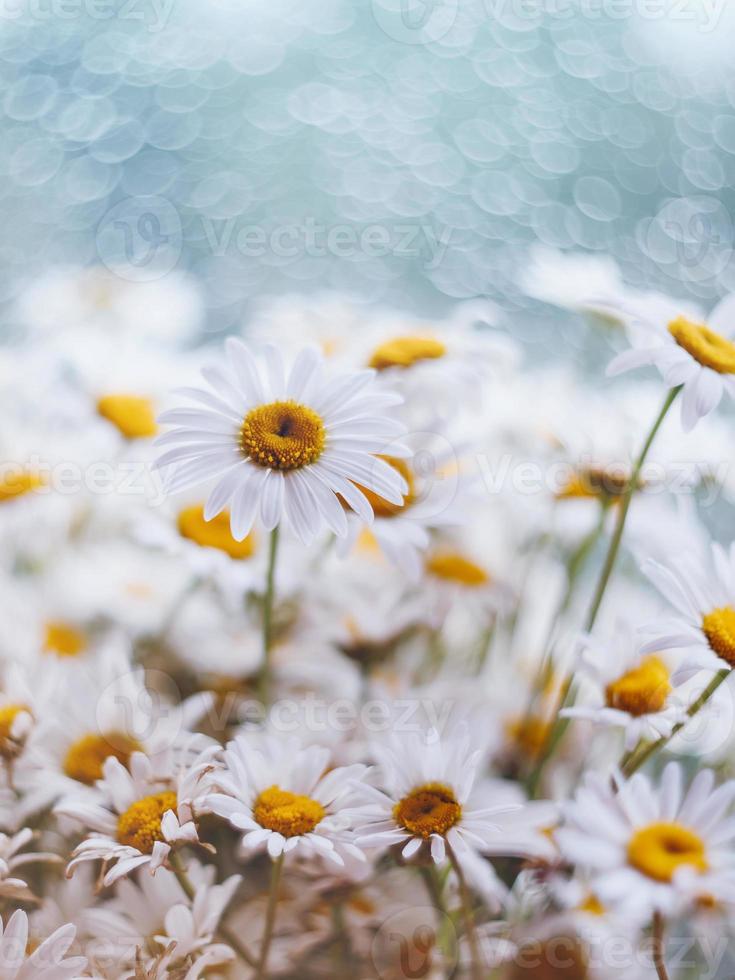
(623, 508)
(658, 947)
(264, 678)
(182, 877)
(468, 916)
(633, 762)
(270, 918)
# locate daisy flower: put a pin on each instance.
(632, 690)
(429, 797)
(283, 445)
(687, 350)
(138, 816)
(11, 858)
(704, 602)
(641, 844)
(47, 961)
(284, 797)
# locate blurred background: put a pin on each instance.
(398, 153)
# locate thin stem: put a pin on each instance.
(657, 950)
(183, 878)
(264, 679)
(468, 916)
(270, 917)
(633, 762)
(623, 508)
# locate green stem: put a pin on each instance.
(468, 916)
(183, 878)
(623, 508)
(270, 918)
(658, 947)
(634, 760)
(265, 670)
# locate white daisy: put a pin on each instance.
(686, 350)
(429, 796)
(641, 843)
(285, 797)
(12, 857)
(704, 602)
(137, 816)
(630, 690)
(284, 445)
(47, 962)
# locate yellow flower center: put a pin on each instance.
(642, 690)
(592, 905)
(287, 813)
(709, 348)
(719, 628)
(86, 756)
(453, 567)
(63, 639)
(8, 713)
(282, 435)
(403, 352)
(429, 809)
(17, 483)
(530, 734)
(140, 825)
(594, 483)
(659, 849)
(132, 415)
(214, 533)
(381, 506)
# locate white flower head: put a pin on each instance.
(429, 796)
(687, 351)
(47, 962)
(641, 843)
(284, 797)
(632, 690)
(294, 445)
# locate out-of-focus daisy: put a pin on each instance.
(287, 445)
(454, 574)
(686, 349)
(428, 798)
(12, 857)
(704, 602)
(632, 690)
(137, 816)
(47, 962)
(640, 842)
(284, 797)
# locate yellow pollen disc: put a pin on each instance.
(719, 628)
(63, 639)
(453, 567)
(381, 506)
(287, 813)
(429, 809)
(86, 756)
(403, 352)
(132, 415)
(214, 533)
(641, 691)
(8, 714)
(140, 825)
(594, 483)
(592, 905)
(709, 348)
(282, 435)
(659, 849)
(18, 483)
(530, 734)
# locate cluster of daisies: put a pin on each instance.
(366, 645)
